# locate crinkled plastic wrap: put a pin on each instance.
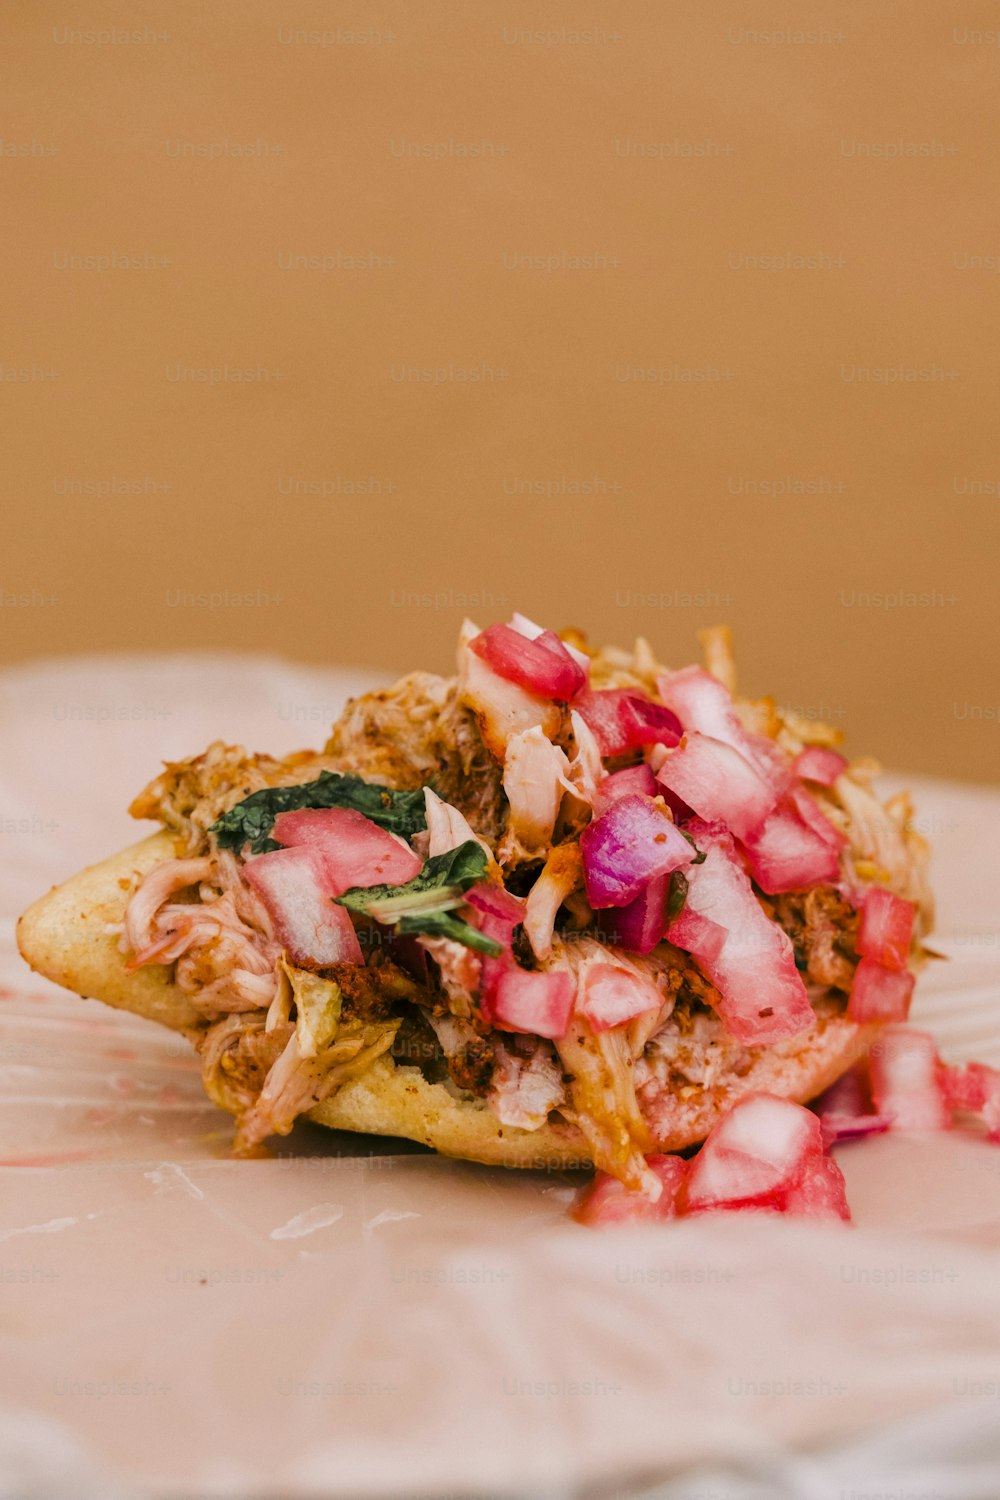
(356, 1317)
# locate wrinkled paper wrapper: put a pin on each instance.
(358, 1317)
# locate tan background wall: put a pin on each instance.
(667, 145)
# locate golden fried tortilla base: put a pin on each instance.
(64, 937)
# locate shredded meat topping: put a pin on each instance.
(823, 929)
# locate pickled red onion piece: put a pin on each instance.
(907, 1079)
(880, 994)
(532, 631)
(703, 703)
(610, 995)
(629, 845)
(815, 818)
(542, 665)
(609, 1201)
(815, 763)
(623, 719)
(640, 925)
(356, 851)
(497, 913)
(975, 1087)
(845, 1108)
(718, 782)
(296, 887)
(539, 1004)
(619, 783)
(757, 1153)
(785, 854)
(885, 931)
(822, 1193)
(697, 935)
(763, 998)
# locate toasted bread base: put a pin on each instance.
(64, 936)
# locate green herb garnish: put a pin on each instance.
(426, 903)
(677, 894)
(699, 854)
(250, 821)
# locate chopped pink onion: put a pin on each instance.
(500, 911)
(763, 996)
(540, 1004)
(845, 1108)
(626, 847)
(757, 1153)
(637, 779)
(356, 851)
(718, 782)
(697, 935)
(497, 913)
(542, 665)
(815, 818)
(624, 719)
(907, 1080)
(296, 888)
(641, 924)
(885, 931)
(609, 1201)
(851, 1094)
(502, 708)
(610, 995)
(822, 1193)
(880, 994)
(814, 763)
(785, 854)
(837, 1128)
(975, 1089)
(703, 704)
(528, 628)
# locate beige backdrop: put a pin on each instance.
(635, 317)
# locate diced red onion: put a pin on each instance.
(542, 665)
(838, 1128)
(637, 779)
(815, 763)
(975, 1089)
(640, 925)
(718, 782)
(785, 854)
(697, 935)
(755, 1155)
(815, 818)
(610, 995)
(528, 628)
(851, 1094)
(537, 1003)
(296, 888)
(703, 704)
(630, 844)
(885, 931)
(624, 719)
(880, 994)
(356, 851)
(497, 913)
(609, 1201)
(821, 1194)
(500, 911)
(845, 1108)
(907, 1080)
(763, 997)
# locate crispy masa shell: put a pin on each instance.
(68, 936)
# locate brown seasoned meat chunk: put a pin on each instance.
(823, 929)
